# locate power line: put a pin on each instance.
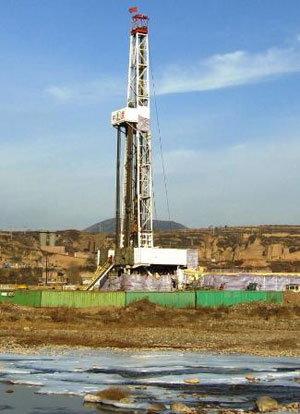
(160, 145)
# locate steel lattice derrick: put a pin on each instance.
(136, 218)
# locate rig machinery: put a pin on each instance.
(134, 250)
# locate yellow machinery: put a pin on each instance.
(100, 275)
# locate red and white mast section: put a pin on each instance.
(135, 223)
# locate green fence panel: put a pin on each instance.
(28, 298)
(82, 299)
(120, 299)
(275, 297)
(258, 296)
(25, 298)
(168, 299)
(6, 299)
(204, 298)
(228, 298)
(248, 296)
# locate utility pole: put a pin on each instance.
(46, 270)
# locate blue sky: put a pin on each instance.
(227, 75)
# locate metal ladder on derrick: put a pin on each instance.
(100, 275)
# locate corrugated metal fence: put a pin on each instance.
(28, 298)
(22, 297)
(169, 299)
(228, 298)
(121, 299)
(82, 299)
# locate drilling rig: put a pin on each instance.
(135, 251)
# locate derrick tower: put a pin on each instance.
(134, 253)
(134, 223)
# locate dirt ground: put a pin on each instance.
(257, 328)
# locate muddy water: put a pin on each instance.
(151, 376)
(19, 399)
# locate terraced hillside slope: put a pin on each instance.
(275, 248)
(263, 247)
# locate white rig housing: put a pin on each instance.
(124, 115)
(129, 115)
(166, 257)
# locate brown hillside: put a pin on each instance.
(275, 248)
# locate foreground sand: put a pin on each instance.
(260, 329)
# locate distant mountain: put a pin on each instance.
(109, 226)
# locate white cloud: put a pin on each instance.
(61, 94)
(87, 92)
(253, 183)
(215, 72)
(230, 69)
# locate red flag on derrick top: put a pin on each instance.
(133, 10)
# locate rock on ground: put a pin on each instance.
(126, 400)
(180, 408)
(90, 398)
(192, 380)
(251, 378)
(266, 403)
(156, 408)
